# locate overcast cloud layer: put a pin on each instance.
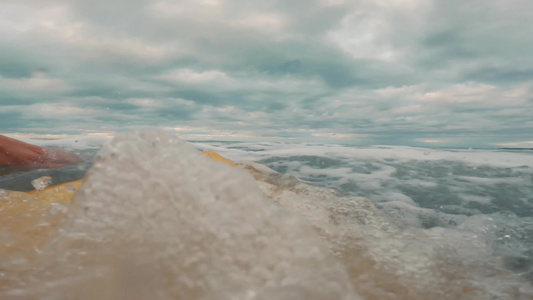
(412, 72)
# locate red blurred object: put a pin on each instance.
(20, 155)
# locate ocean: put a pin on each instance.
(338, 222)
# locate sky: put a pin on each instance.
(400, 72)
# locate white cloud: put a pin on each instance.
(57, 26)
(516, 144)
(266, 22)
(460, 93)
(332, 2)
(185, 8)
(221, 81)
(409, 109)
(432, 141)
(392, 92)
(158, 103)
(52, 110)
(189, 76)
(365, 33)
(478, 92)
(145, 102)
(362, 40)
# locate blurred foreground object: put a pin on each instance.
(155, 219)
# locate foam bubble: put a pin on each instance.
(453, 259)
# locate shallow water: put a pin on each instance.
(374, 223)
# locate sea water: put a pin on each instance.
(157, 220)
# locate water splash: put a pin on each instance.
(42, 182)
(155, 213)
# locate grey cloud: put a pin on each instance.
(14, 66)
(11, 121)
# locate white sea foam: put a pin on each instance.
(257, 151)
(446, 176)
(423, 188)
(390, 263)
(251, 151)
(493, 181)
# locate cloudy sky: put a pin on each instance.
(408, 72)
